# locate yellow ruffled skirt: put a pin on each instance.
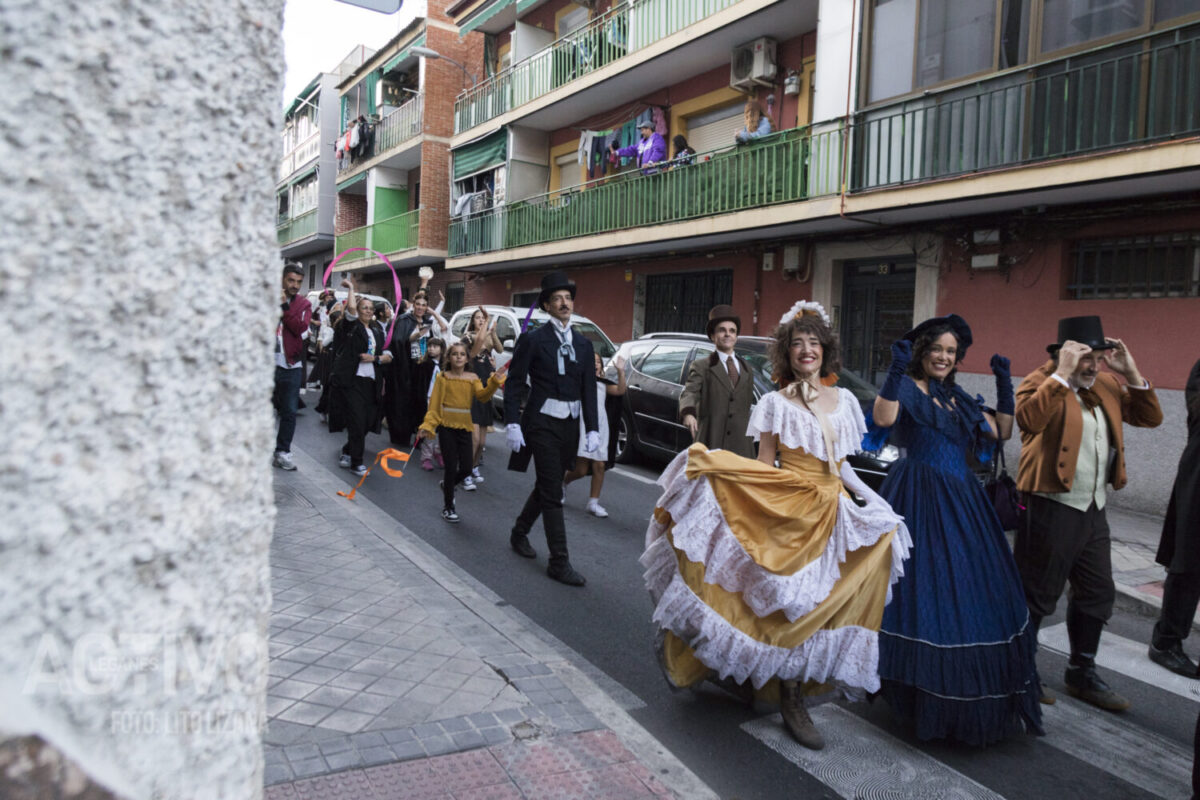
(760, 573)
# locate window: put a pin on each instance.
(569, 170)
(504, 329)
(715, 130)
(955, 39)
(455, 295)
(665, 363)
(1066, 23)
(525, 299)
(1141, 266)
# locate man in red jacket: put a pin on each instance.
(289, 360)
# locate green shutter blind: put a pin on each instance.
(481, 154)
(372, 81)
(483, 16)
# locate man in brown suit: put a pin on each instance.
(1072, 446)
(715, 402)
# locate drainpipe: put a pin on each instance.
(849, 92)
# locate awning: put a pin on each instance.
(307, 173)
(403, 54)
(480, 154)
(484, 15)
(303, 97)
(362, 176)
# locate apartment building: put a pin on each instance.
(396, 119)
(1014, 161)
(305, 192)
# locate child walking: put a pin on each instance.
(449, 417)
(608, 395)
(424, 374)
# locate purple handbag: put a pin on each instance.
(1001, 489)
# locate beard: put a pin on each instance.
(1084, 382)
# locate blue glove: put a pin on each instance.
(593, 442)
(901, 355)
(1005, 401)
(514, 437)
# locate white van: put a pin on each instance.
(314, 327)
(508, 327)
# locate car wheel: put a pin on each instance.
(625, 449)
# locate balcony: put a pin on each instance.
(622, 30)
(300, 155)
(1132, 93)
(297, 228)
(401, 125)
(386, 236)
(782, 168)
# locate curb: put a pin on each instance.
(572, 668)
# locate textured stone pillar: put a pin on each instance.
(139, 280)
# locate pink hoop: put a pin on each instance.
(395, 283)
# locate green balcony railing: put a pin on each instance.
(1133, 92)
(297, 228)
(386, 236)
(399, 126)
(623, 29)
(781, 168)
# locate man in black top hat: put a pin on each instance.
(716, 398)
(559, 365)
(1072, 447)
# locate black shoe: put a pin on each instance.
(449, 514)
(565, 574)
(1084, 683)
(1174, 659)
(521, 545)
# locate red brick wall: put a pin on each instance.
(351, 213)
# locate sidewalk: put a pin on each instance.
(1139, 578)
(394, 674)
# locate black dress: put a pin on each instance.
(481, 365)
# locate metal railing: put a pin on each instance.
(297, 227)
(781, 168)
(387, 235)
(623, 29)
(399, 126)
(1110, 98)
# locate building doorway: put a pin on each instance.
(877, 309)
(680, 301)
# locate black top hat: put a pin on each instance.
(1085, 330)
(553, 282)
(719, 314)
(957, 325)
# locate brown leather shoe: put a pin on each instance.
(522, 546)
(1045, 696)
(796, 718)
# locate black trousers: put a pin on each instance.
(457, 453)
(1181, 595)
(1057, 544)
(360, 412)
(553, 443)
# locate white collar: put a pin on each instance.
(726, 357)
(559, 328)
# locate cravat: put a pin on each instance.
(733, 372)
(1090, 398)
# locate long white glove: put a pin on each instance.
(593, 442)
(856, 485)
(514, 437)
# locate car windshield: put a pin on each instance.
(600, 342)
(862, 391)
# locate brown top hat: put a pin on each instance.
(722, 313)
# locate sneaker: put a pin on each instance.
(283, 460)
(475, 475)
(427, 465)
(1172, 658)
(360, 470)
(596, 510)
(344, 461)
(467, 484)
(449, 514)
(1084, 683)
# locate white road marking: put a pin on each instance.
(862, 761)
(634, 475)
(1126, 657)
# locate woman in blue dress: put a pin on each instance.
(956, 646)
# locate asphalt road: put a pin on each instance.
(608, 624)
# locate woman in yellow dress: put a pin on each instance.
(762, 574)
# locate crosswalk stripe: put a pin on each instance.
(634, 475)
(1129, 752)
(1126, 657)
(862, 761)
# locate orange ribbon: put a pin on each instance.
(382, 459)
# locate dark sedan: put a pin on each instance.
(656, 366)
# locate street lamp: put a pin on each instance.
(426, 52)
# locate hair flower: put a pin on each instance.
(803, 307)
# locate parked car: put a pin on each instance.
(656, 367)
(314, 327)
(508, 327)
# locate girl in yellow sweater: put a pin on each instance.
(449, 418)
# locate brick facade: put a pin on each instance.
(351, 212)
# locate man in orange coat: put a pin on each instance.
(1072, 447)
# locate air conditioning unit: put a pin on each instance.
(752, 64)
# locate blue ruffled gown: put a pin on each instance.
(956, 646)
